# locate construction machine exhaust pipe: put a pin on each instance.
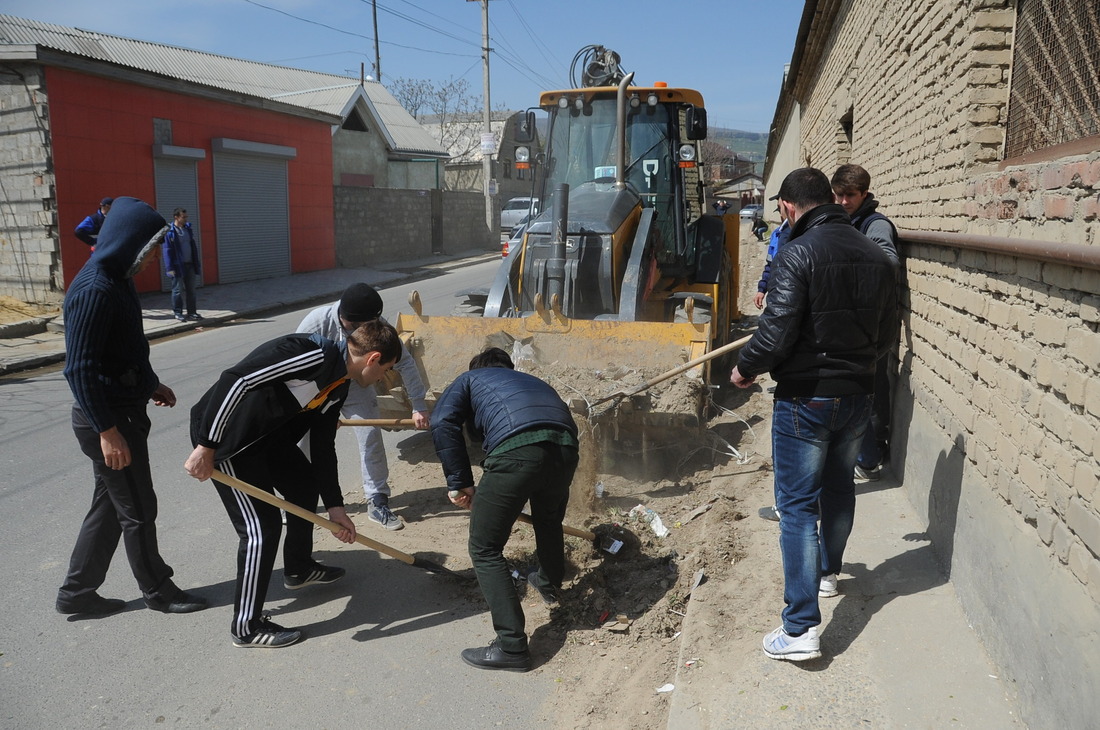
(555, 264)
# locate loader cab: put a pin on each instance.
(581, 150)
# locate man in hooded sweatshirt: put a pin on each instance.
(112, 380)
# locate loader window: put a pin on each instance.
(583, 148)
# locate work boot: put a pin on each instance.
(493, 657)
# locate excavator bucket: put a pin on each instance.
(584, 360)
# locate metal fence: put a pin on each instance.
(1055, 93)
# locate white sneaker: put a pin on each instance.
(781, 645)
(828, 586)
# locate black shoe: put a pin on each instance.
(549, 595)
(493, 657)
(178, 602)
(268, 635)
(180, 318)
(319, 574)
(194, 317)
(92, 604)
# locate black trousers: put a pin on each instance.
(124, 505)
(539, 473)
(268, 466)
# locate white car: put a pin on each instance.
(751, 211)
(515, 210)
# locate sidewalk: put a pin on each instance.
(897, 649)
(36, 343)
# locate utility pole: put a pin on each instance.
(377, 57)
(487, 130)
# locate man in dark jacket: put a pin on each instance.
(88, 229)
(851, 188)
(531, 444)
(271, 420)
(108, 370)
(830, 314)
(182, 265)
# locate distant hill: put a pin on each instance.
(747, 145)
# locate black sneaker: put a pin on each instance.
(92, 604)
(180, 318)
(493, 657)
(319, 574)
(268, 635)
(194, 317)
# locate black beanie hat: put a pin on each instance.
(360, 303)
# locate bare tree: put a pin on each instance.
(448, 109)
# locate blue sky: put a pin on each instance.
(733, 51)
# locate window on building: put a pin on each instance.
(1054, 97)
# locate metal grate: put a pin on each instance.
(1055, 94)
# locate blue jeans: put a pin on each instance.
(183, 287)
(815, 442)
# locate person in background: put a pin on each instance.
(851, 185)
(88, 229)
(182, 265)
(361, 303)
(778, 238)
(107, 367)
(530, 440)
(830, 314)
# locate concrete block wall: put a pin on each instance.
(29, 260)
(997, 405)
(383, 225)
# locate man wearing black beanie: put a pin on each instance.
(361, 303)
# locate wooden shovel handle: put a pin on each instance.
(305, 514)
(574, 531)
(379, 422)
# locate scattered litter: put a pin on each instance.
(613, 546)
(697, 511)
(666, 688)
(604, 615)
(676, 635)
(645, 514)
(691, 663)
(678, 613)
(696, 580)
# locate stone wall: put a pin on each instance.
(997, 404)
(29, 263)
(383, 225)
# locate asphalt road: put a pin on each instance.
(382, 645)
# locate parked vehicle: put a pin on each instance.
(752, 211)
(515, 210)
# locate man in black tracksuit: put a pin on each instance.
(271, 420)
(531, 442)
(107, 367)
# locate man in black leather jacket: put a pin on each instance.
(830, 314)
(531, 442)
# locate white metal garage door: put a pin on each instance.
(251, 200)
(177, 187)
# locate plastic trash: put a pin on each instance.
(645, 514)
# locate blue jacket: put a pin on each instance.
(107, 355)
(496, 403)
(173, 253)
(88, 230)
(779, 237)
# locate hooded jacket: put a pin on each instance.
(107, 354)
(173, 249)
(831, 312)
(497, 403)
(877, 227)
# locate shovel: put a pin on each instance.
(395, 423)
(316, 519)
(620, 394)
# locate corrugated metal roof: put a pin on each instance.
(306, 89)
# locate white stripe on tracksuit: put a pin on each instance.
(251, 577)
(253, 380)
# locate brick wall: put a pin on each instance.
(29, 265)
(997, 404)
(381, 225)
